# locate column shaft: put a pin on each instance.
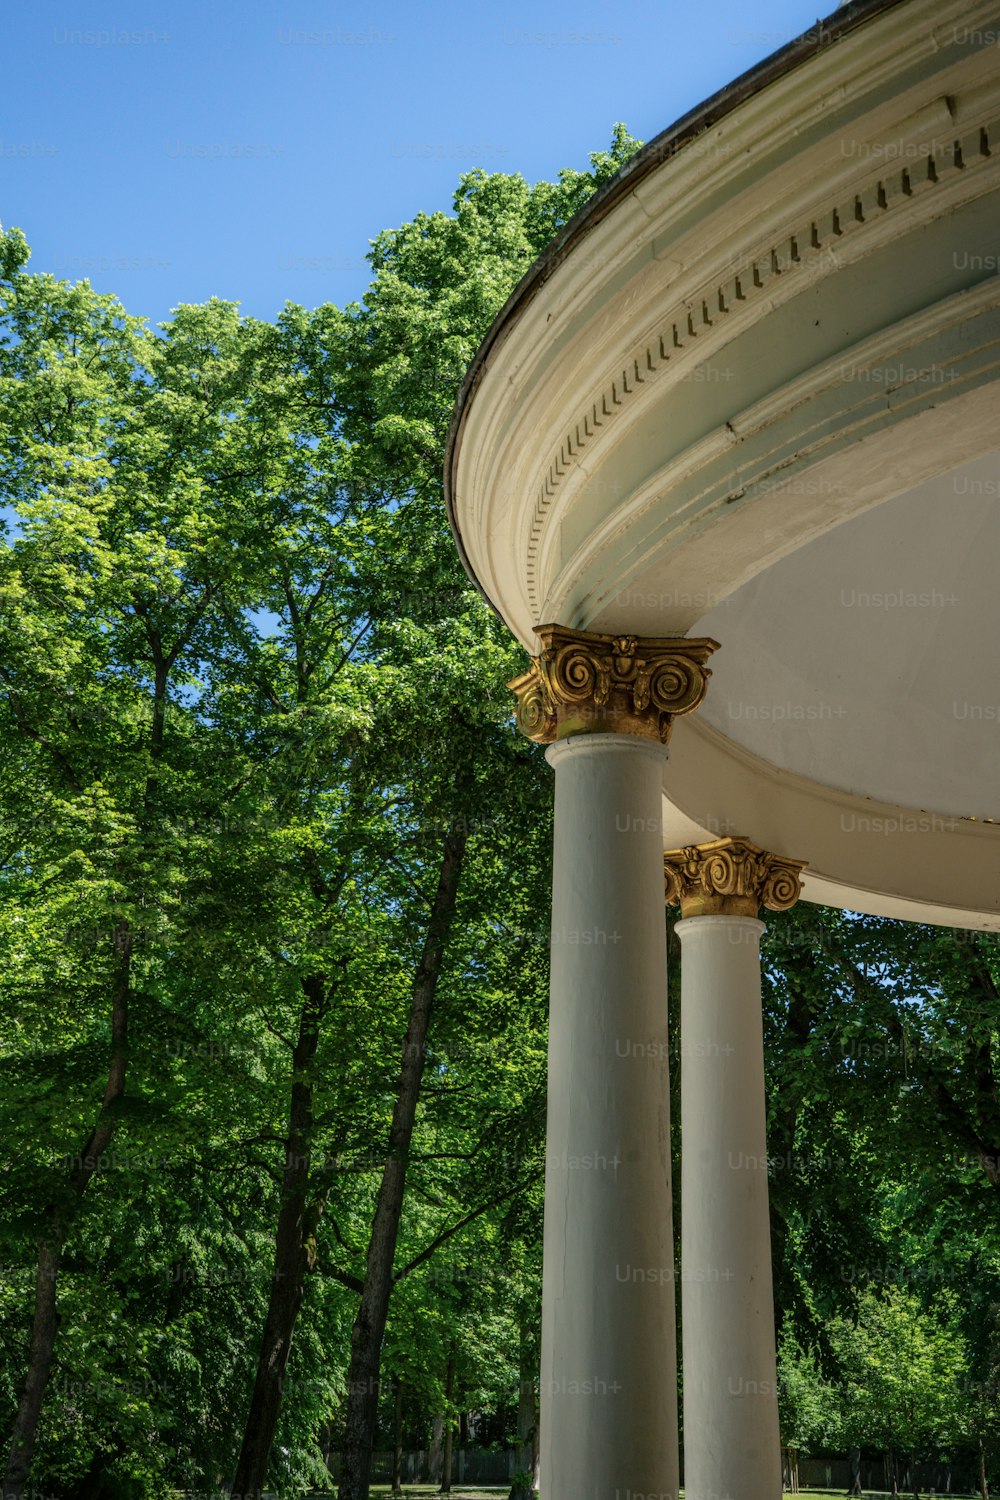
(608, 1378)
(731, 1442)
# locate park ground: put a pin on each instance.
(412, 1492)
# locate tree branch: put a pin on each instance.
(57, 755)
(446, 1234)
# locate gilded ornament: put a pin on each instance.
(581, 683)
(730, 877)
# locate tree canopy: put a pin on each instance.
(274, 874)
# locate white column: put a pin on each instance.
(731, 1442)
(608, 1372)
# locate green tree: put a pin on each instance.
(901, 1376)
(227, 584)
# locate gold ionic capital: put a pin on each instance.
(582, 683)
(730, 877)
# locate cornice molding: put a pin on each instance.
(856, 221)
(792, 431)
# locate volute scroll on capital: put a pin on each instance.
(730, 877)
(583, 683)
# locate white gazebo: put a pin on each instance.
(728, 465)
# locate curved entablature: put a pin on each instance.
(864, 855)
(802, 247)
(747, 380)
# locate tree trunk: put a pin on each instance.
(397, 1444)
(294, 1251)
(90, 1484)
(536, 1449)
(81, 1169)
(789, 1476)
(434, 1452)
(369, 1325)
(43, 1338)
(95, 1482)
(855, 1488)
(525, 1402)
(984, 1489)
(449, 1425)
(463, 1443)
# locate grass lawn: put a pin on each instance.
(459, 1492)
(411, 1491)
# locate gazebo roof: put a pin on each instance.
(752, 392)
(685, 130)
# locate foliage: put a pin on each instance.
(245, 691)
(245, 688)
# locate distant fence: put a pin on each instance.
(479, 1466)
(835, 1474)
(468, 1466)
(483, 1466)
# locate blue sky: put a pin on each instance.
(250, 151)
